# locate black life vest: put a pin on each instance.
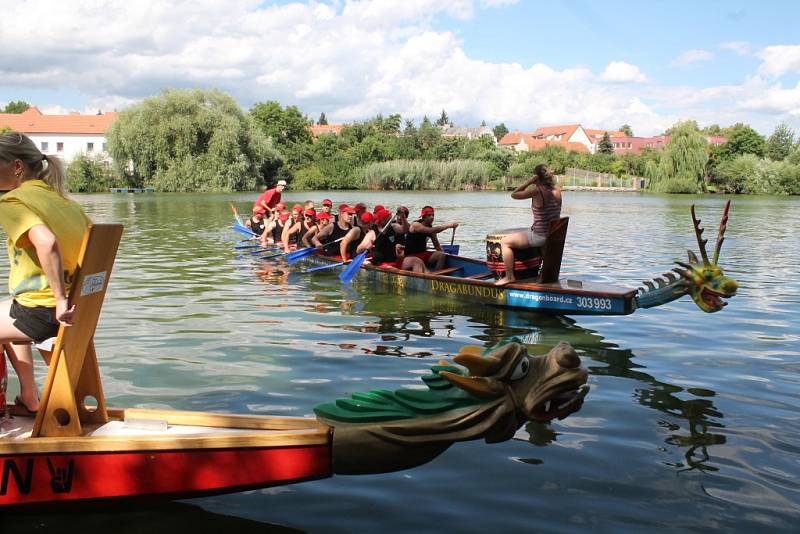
(383, 248)
(331, 248)
(415, 242)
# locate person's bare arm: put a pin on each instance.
(287, 233)
(308, 235)
(419, 228)
(522, 192)
(46, 245)
(435, 241)
(351, 236)
(367, 242)
(317, 238)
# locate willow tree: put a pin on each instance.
(682, 168)
(190, 140)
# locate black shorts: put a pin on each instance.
(38, 323)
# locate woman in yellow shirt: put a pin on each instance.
(45, 231)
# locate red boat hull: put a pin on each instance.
(30, 479)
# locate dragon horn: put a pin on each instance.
(723, 224)
(699, 233)
(478, 365)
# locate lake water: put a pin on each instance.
(691, 423)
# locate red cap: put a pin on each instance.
(323, 215)
(310, 213)
(347, 209)
(366, 217)
(297, 207)
(283, 217)
(382, 215)
(327, 202)
(360, 207)
(343, 207)
(426, 211)
(404, 210)
(377, 208)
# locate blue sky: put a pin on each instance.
(524, 63)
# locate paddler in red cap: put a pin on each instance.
(326, 238)
(298, 231)
(327, 205)
(356, 234)
(290, 238)
(417, 239)
(383, 240)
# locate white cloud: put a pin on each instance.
(350, 59)
(775, 100)
(621, 72)
(740, 47)
(497, 3)
(692, 56)
(780, 59)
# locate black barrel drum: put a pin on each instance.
(526, 261)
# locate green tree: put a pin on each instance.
(712, 129)
(500, 131)
(605, 146)
(626, 129)
(443, 119)
(283, 125)
(17, 106)
(91, 175)
(779, 144)
(690, 124)
(742, 139)
(682, 167)
(323, 120)
(190, 140)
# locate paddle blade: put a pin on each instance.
(236, 215)
(298, 255)
(243, 247)
(451, 249)
(350, 271)
(322, 267)
(243, 230)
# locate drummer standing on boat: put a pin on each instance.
(546, 206)
(417, 239)
(270, 198)
(45, 231)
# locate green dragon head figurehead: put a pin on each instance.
(705, 280)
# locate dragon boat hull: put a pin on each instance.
(154, 454)
(470, 280)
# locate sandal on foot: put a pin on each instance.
(24, 409)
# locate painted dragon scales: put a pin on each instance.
(703, 281)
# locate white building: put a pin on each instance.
(65, 136)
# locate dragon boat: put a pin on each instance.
(75, 449)
(473, 280)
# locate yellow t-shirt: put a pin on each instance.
(34, 202)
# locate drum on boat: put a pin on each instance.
(526, 261)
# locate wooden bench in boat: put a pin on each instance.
(447, 270)
(478, 276)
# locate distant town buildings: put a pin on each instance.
(65, 136)
(325, 129)
(469, 133)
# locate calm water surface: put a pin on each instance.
(691, 423)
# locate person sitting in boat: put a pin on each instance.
(45, 231)
(351, 242)
(309, 205)
(417, 239)
(289, 238)
(546, 206)
(296, 233)
(270, 198)
(321, 221)
(257, 223)
(327, 205)
(328, 238)
(383, 240)
(360, 208)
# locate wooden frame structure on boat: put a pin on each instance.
(67, 453)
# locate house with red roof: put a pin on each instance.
(524, 142)
(325, 129)
(62, 135)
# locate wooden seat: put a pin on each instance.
(480, 275)
(73, 375)
(446, 270)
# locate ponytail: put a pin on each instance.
(49, 169)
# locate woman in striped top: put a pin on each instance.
(546, 205)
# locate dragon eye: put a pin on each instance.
(521, 369)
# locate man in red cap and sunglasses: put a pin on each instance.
(326, 238)
(417, 239)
